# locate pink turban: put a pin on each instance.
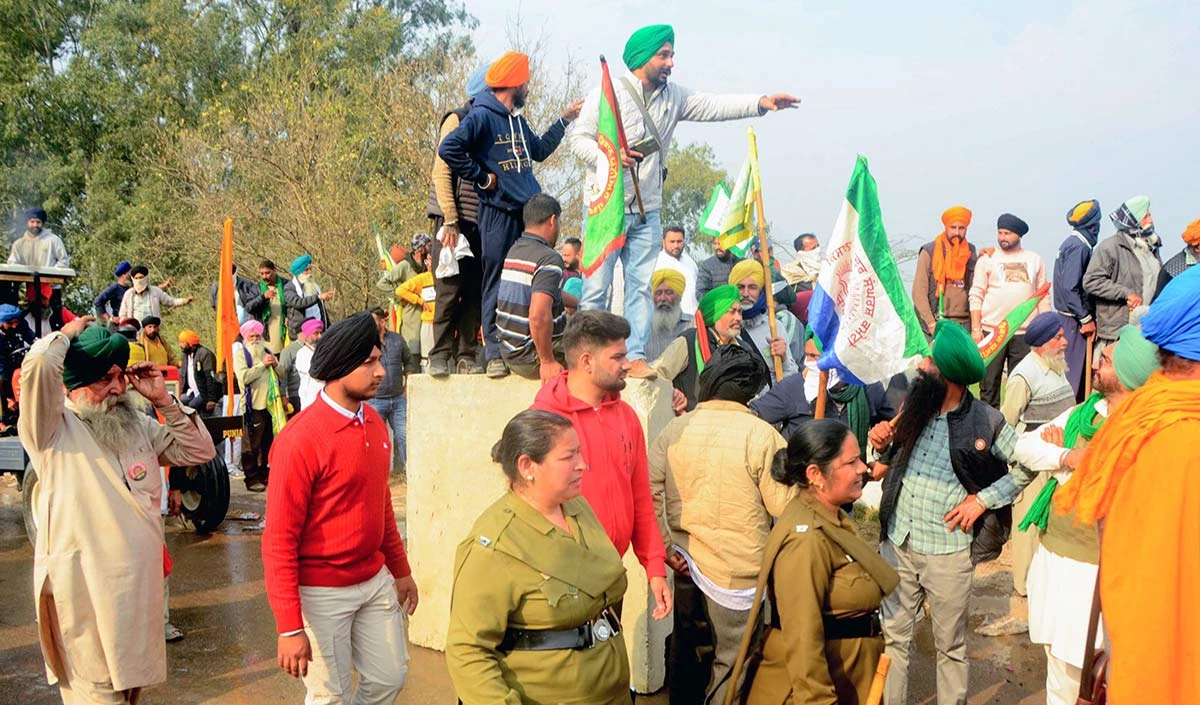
(311, 326)
(251, 327)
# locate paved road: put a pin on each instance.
(228, 655)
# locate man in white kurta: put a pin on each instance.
(1062, 574)
(99, 555)
(672, 256)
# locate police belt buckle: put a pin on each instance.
(605, 626)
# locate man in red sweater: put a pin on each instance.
(617, 481)
(336, 571)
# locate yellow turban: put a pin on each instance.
(956, 215)
(671, 278)
(189, 337)
(748, 268)
(509, 71)
(1192, 234)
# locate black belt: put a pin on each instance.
(600, 629)
(861, 627)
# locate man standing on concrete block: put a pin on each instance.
(336, 570)
(617, 483)
(650, 110)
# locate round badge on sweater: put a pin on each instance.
(980, 445)
(137, 472)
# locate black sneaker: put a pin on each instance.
(439, 369)
(496, 369)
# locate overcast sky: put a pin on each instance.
(1024, 106)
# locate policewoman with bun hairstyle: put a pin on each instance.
(825, 583)
(535, 583)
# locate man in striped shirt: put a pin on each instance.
(530, 312)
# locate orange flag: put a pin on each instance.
(227, 321)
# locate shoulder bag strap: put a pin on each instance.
(637, 100)
(1087, 680)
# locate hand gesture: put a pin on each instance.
(76, 326)
(167, 284)
(779, 347)
(406, 592)
(572, 111)
(1133, 300)
(779, 101)
(326, 295)
(630, 158)
(662, 597)
(270, 293)
(147, 380)
(880, 436)
(1087, 329)
(1054, 436)
(964, 515)
(269, 360)
(294, 653)
(189, 299)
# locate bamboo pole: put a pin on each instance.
(764, 253)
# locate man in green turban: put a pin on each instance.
(642, 92)
(97, 455)
(946, 506)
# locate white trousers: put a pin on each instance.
(1062, 680)
(357, 628)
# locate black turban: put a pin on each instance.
(151, 321)
(139, 270)
(345, 345)
(1012, 223)
(35, 213)
(732, 374)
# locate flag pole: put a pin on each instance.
(624, 145)
(822, 395)
(230, 391)
(1087, 365)
(763, 253)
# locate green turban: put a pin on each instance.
(645, 43)
(810, 334)
(956, 354)
(92, 354)
(1134, 358)
(717, 303)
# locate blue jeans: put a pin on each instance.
(393, 411)
(642, 243)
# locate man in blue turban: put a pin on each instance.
(303, 297)
(644, 91)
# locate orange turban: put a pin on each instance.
(956, 215)
(1191, 235)
(509, 71)
(189, 337)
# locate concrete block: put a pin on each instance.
(452, 425)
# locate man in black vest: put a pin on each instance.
(947, 492)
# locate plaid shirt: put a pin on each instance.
(931, 489)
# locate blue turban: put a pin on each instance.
(1173, 321)
(1043, 328)
(8, 312)
(35, 213)
(122, 268)
(477, 84)
(300, 264)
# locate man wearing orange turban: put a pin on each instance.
(494, 148)
(200, 388)
(1183, 261)
(945, 270)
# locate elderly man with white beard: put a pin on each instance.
(99, 559)
(254, 366)
(1036, 392)
(668, 321)
(748, 276)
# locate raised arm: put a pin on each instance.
(43, 402)
(540, 148)
(710, 107)
(581, 138)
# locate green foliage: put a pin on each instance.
(693, 171)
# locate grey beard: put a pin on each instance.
(664, 320)
(1056, 364)
(112, 421)
(256, 351)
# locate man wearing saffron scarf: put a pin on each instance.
(1063, 570)
(945, 271)
(1072, 302)
(1141, 476)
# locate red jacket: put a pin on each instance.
(617, 481)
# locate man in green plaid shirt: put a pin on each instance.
(946, 507)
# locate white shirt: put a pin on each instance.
(686, 266)
(309, 387)
(341, 409)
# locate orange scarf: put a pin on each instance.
(1153, 407)
(949, 260)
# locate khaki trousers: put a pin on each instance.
(357, 628)
(946, 582)
(1024, 543)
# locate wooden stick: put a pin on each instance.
(637, 191)
(822, 395)
(1087, 369)
(765, 257)
(875, 694)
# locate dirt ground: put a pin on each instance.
(228, 655)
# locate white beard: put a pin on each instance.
(663, 321)
(1056, 364)
(110, 421)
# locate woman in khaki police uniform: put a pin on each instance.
(825, 583)
(531, 618)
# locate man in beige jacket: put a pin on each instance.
(710, 476)
(99, 558)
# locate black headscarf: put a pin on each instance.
(732, 374)
(345, 345)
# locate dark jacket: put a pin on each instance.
(396, 359)
(688, 381)
(1113, 274)
(297, 303)
(491, 140)
(465, 198)
(257, 305)
(13, 346)
(1070, 298)
(1172, 268)
(108, 303)
(247, 290)
(208, 383)
(785, 405)
(975, 468)
(712, 273)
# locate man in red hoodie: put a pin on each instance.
(336, 571)
(617, 481)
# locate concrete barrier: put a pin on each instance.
(452, 425)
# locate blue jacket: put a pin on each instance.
(491, 140)
(1074, 254)
(108, 303)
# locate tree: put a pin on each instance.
(693, 171)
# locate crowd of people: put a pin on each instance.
(742, 498)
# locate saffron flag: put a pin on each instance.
(728, 213)
(604, 232)
(860, 310)
(991, 346)
(227, 320)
